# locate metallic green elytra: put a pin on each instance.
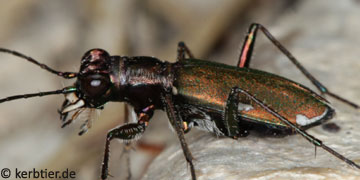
(206, 85)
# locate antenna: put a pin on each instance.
(66, 75)
(39, 94)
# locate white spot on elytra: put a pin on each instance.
(302, 120)
(244, 107)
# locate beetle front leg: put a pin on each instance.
(127, 147)
(126, 132)
(183, 50)
(175, 120)
(126, 155)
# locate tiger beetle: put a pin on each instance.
(225, 100)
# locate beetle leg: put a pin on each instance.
(307, 136)
(175, 119)
(183, 50)
(128, 145)
(248, 46)
(127, 133)
(231, 116)
(126, 154)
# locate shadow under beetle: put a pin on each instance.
(222, 99)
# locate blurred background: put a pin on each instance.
(324, 36)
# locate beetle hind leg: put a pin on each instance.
(310, 138)
(231, 117)
(247, 49)
(182, 51)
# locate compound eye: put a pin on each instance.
(95, 85)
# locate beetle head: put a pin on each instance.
(93, 85)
